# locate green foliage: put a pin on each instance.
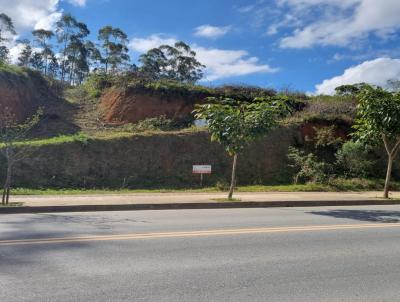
(161, 123)
(325, 137)
(378, 115)
(6, 30)
(57, 140)
(96, 83)
(234, 125)
(350, 90)
(7, 69)
(353, 160)
(308, 168)
(114, 50)
(177, 63)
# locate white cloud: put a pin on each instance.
(246, 8)
(212, 32)
(153, 41)
(220, 63)
(49, 21)
(375, 72)
(223, 63)
(77, 2)
(339, 22)
(26, 14)
(34, 14)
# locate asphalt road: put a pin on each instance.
(290, 254)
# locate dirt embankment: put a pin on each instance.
(163, 160)
(121, 106)
(21, 94)
(308, 130)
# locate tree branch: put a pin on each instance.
(385, 141)
(396, 148)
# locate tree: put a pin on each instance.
(378, 122)
(42, 38)
(236, 124)
(114, 49)
(12, 132)
(6, 30)
(25, 56)
(77, 61)
(36, 61)
(69, 33)
(176, 63)
(350, 90)
(93, 54)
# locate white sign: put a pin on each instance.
(202, 169)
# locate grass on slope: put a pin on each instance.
(339, 185)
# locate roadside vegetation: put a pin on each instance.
(347, 142)
(337, 185)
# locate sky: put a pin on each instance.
(306, 45)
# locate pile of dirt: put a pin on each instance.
(120, 106)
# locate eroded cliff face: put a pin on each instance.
(120, 106)
(21, 94)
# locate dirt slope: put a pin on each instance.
(121, 106)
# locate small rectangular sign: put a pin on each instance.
(202, 169)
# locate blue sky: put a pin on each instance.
(309, 45)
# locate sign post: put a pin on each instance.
(202, 169)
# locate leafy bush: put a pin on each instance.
(96, 83)
(308, 167)
(150, 124)
(353, 160)
(325, 137)
(243, 92)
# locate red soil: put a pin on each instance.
(119, 106)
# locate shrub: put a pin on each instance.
(353, 160)
(96, 83)
(308, 167)
(150, 124)
(325, 137)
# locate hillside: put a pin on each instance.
(129, 133)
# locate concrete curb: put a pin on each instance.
(198, 205)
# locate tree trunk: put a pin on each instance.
(233, 179)
(388, 175)
(7, 185)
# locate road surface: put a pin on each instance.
(281, 254)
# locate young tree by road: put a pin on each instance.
(236, 124)
(12, 132)
(378, 123)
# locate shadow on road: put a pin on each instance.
(367, 215)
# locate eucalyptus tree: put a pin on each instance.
(93, 54)
(6, 31)
(36, 61)
(176, 63)
(70, 35)
(378, 123)
(236, 124)
(25, 56)
(114, 50)
(42, 38)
